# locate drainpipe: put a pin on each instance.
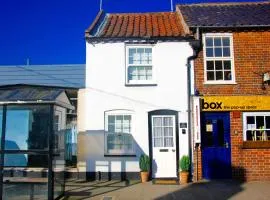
(196, 46)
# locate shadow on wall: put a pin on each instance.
(99, 166)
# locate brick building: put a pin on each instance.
(231, 115)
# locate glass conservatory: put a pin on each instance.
(32, 130)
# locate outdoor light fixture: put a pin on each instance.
(266, 77)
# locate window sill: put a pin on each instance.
(256, 145)
(119, 155)
(219, 83)
(140, 84)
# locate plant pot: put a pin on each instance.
(144, 176)
(183, 177)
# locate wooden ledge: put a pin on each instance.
(256, 145)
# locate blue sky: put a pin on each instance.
(52, 31)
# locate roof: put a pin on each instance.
(31, 94)
(65, 75)
(136, 25)
(248, 14)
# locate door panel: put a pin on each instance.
(163, 146)
(216, 145)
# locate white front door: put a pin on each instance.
(163, 146)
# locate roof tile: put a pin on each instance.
(226, 14)
(125, 25)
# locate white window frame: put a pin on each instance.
(252, 114)
(231, 58)
(140, 82)
(118, 112)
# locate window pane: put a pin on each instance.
(226, 52)
(227, 64)
(25, 160)
(209, 42)
(218, 52)
(27, 127)
(168, 121)
(218, 65)
(250, 135)
(219, 75)
(148, 73)
(210, 65)
(259, 122)
(217, 41)
(158, 142)
(226, 41)
(210, 76)
(227, 75)
(267, 121)
(168, 131)
(168, 142)
(209, 52)
(157, 132)
(250, 120)
(157, 121)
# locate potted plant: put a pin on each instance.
(184, 165)
(145, 167)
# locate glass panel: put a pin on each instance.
(220, 130)
(218, 65)
(218, 52)
(27, 127)
(219, 75)
(226, 52)
(227, 75)
(210, 65)
(158, 142)
(226, 41)
(249, 135)
(267, 121)
(148, 73)
(210, 76)
(157, 121)
(168, 121)
(168, 142)
(157, 132)
(25, 183)
(209, 42)
(250, 120)
(227, 64)
(260, 122)
(209, 52)
(217, 41)
(1, 118)
(25, 160)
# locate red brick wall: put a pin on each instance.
(251, 57)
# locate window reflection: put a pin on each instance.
(27, 127)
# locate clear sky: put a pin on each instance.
(52, 31)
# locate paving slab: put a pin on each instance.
(134, 190)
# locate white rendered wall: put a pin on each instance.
(106, 90)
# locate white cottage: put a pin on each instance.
(136, 96)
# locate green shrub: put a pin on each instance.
(144, 163)
(184, 163)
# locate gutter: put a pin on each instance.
(196, 46)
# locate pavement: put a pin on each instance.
(134, 190)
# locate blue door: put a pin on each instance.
(216, 145)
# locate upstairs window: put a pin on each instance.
(218, 62)
(139, 65)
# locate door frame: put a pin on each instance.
(162, 112)
(223, 114)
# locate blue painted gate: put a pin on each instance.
(216, 145)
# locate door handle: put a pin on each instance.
(173, 150)
(226, 145)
